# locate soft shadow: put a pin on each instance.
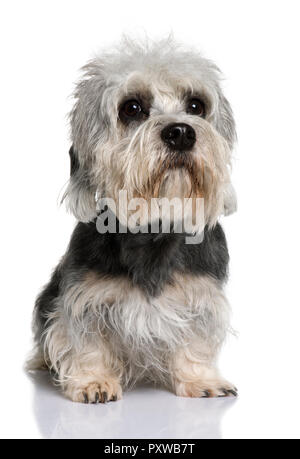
(145, 412)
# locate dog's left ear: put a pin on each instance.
(80, 195)
(225, 123)
(230, 200)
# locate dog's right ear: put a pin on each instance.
(80, 195)
(88, 124)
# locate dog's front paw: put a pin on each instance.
(107, 390)
(206, 389)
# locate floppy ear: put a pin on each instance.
(80, 194)
(87, 128)
(225, 123)
(230, 200)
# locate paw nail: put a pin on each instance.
(96, 398)
(104, 397)
(233, 392)
(207, 394)
(114, 398)
(86, 399)
(225, 393)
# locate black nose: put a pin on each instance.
(179, 136)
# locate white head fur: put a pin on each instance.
(112, 155)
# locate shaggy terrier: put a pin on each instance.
(124, 305)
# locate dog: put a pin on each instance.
(124, 306)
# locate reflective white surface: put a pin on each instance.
(32, 407)
(144, 412)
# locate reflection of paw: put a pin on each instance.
(206, 389)
(108, 390)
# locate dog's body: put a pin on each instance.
(121, 306)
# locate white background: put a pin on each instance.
(256, 44)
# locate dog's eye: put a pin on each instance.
(196, 107)
(131, 109)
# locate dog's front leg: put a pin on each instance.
(195, 375)
(88, 378)
(85, 368)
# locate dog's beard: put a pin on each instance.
(177, 175)
(170, 197)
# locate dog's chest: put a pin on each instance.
(135, 321)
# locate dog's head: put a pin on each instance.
(152, 120)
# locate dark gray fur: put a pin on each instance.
(148, 260)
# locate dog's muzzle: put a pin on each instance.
(179, 136)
